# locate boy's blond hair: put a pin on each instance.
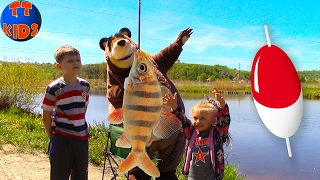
(62, 51)
(205, 106)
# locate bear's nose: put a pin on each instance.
(121, 42)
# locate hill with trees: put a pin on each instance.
(179, 71)
(203, 73)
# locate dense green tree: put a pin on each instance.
(302, 78)
(202, 77)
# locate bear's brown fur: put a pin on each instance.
(119, 50)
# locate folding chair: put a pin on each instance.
(114, 133)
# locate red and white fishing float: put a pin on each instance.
(276, 91)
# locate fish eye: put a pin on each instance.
(142, 68)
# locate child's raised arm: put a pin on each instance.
(223, 117)
(218, 97)
(178, 112)
(171, 101)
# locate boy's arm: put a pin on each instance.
(85, 109)
(47, 105)
(87, 100)
(47, 121)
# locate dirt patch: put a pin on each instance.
(25, 166)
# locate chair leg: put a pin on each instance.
(115, 174)
(108, 154)
(105, 156)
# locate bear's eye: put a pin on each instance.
(142, 68)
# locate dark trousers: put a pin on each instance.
(68, 156)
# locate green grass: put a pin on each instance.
(25, 131)
(97, 142)
(231, 173)
(311, 92)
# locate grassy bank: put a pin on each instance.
(25, 131)
(309, 90)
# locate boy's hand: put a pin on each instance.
(171, 100)
(218, 97)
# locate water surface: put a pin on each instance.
(258, 153)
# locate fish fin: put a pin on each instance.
(116, 116)
(141, 160)
(167, 125)
(123, 141)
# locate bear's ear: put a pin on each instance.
(103, 42)
(125, 31)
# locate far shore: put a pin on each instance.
(309, 90)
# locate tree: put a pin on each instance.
(302, 78)
(202, 77)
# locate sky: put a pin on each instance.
(227, 33)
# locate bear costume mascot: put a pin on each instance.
(119, 49)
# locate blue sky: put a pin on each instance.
(225, 32)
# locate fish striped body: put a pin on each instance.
(142, 107)
(142, 114)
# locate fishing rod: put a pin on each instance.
(139, 12)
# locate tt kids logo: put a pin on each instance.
(20, 20)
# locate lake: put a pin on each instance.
(258, 153)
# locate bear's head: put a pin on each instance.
(119, 48)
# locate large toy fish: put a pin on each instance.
(142, 115)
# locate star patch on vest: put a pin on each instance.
(200, 156)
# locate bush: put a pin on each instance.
(20, 85)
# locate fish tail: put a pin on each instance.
(141, 160)
(148, 166)
(128, 163)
